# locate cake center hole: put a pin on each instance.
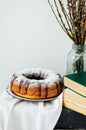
(34, 77)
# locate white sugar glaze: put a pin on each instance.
(48, 76)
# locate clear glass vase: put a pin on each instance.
(76, 59)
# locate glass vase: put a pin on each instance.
(76, 59)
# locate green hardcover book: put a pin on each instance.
(76, 82)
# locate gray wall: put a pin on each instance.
(30, 37)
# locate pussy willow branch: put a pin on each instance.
(74, 23)
(81, 20)
(82, 17)
(74, 18)
(69, 6)
(61, 20)
(61, 23)
(68, 30)
(56, 16)
(65, 15)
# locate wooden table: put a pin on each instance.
(71, 120)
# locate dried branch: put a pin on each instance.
(62, 25)
(60, 17)
(65, 15)
(75, 19)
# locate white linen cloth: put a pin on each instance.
(16, 114)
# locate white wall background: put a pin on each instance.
(30, 37)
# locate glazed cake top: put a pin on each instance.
(35, 75)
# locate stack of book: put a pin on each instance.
(74, 96)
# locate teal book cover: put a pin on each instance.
(76, 82)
